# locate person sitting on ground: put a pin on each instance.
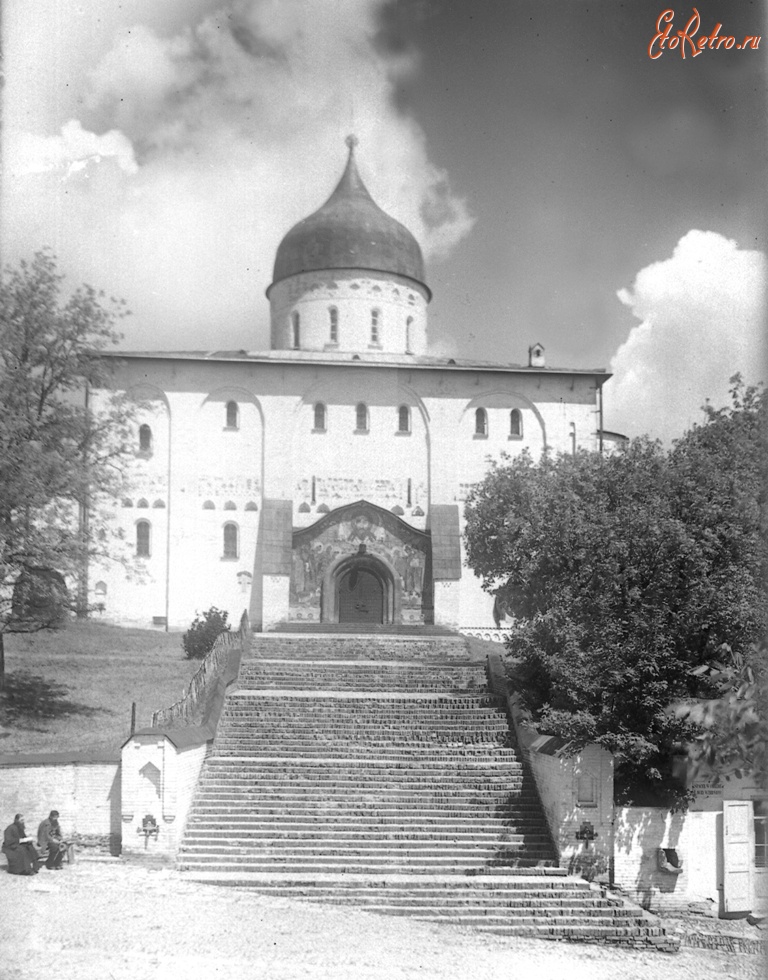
(19, 849)
(50, 841)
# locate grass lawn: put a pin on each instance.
(72, 689)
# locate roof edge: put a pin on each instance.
(351, 362)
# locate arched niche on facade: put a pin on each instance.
(226, 404)
(498, 404)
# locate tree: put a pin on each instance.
(733, 739)
(627, 572)
(59, 459)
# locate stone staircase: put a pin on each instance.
(378, 771)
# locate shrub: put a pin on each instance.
(202, 634)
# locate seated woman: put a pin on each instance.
(50, 841)
(23, 859)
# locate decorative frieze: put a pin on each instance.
(228, 486)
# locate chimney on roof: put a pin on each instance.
(536, 356)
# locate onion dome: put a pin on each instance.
(350, 231)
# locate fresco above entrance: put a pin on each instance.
(361, 528)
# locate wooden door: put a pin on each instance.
(737, 855)
(361, 598)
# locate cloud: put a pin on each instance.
(73, 150)
(218, 134)
(702, 315)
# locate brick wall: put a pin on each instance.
(640, 833)
(577, 794)
(85, 791)
(696, 835)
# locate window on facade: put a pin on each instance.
(375, 326)
(515, 422)
(101, 589)
(403, 419)
(231, 542)
(761, 833)
(572, 436)
(296, 330)
(145, 439)
(408, 325)
(361, 417)
(143, 539)
(320, 417)
(232, 415)
(333, 318)
(481, 422)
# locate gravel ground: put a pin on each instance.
(119, 921)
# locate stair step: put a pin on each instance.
(378, 770)
(356, 865)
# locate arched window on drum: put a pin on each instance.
(333, 325)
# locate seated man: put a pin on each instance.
(19, 849)
(49, 840)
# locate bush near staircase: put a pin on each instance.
(202, 634)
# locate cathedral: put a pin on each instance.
(323, 480)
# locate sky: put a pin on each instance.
(566, 187)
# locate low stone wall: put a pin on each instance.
(641, 832)
(84, 788)
(576, 789)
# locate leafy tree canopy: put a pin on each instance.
(625, 573)
(733, 740)
(58, 457)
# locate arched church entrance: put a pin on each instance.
(361, 564)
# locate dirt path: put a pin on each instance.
(115, 921)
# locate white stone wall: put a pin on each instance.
(696, 835)
(574, 792)
(158, 780)
(348, 464)
(354, 294)
(202, 474)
